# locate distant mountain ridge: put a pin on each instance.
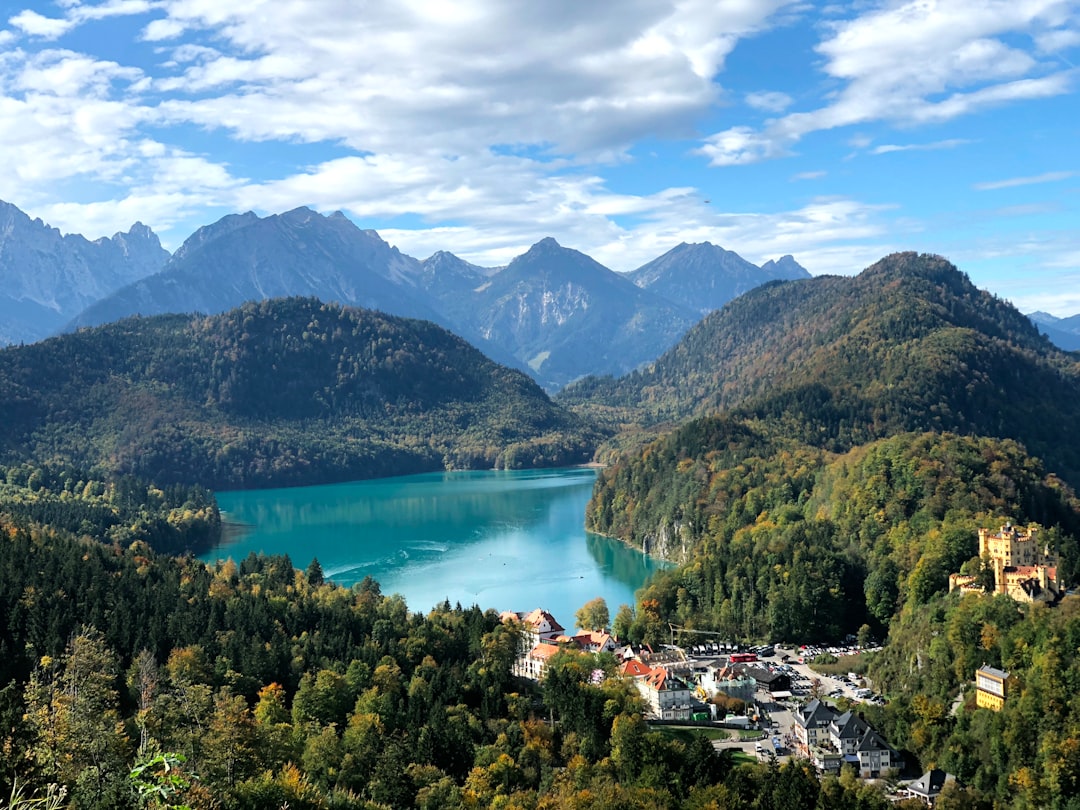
(1063, 332)
(704, 277)
(47, 278)
(562, 313)
(553, 312)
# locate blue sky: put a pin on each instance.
(837, 133)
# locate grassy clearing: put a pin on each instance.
(687, 733)
(857, 663)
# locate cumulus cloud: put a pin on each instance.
(917, 62)
(38, 25)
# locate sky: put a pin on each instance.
(838, 133)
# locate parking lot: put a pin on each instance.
(786, 658)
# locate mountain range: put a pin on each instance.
(553, 312)
(46, 278)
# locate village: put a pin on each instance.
(770, 700)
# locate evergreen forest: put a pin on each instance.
(275, 393)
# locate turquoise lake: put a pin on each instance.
(509, 540)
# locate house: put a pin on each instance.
(929, 785)
(594, 642)
(667, 695)
(875, 756)
(538, 626)
(770, 681)
(992, 687)
(846, 732)
(534, 663)
(812, 721)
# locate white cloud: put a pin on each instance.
(562, 76)
(157, 30)
(918, 62)
(815, 175)
(950, 143)
(37, 25)
(1012, 182)
(1057, 40)
(769, 101)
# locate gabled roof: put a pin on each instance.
(635, 668)
(931, 782)
(815, 713)
(592, 637)
(872, 741)
(537, 617)
(849, 726)
(544, 651)
(993, 672)
(660, 680)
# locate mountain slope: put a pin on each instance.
(704, 277)
(908, 344)
(275, 393)
(566, 315)
(247, 258)
(47, 278)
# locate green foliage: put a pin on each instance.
(276, 393)
(121, 510)
(782, 541)
(908, 345)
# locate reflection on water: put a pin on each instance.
(502, 539)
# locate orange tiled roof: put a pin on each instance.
(543, 651)
(538, 616)
(635, 668)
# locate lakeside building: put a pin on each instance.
(534, 663)
(1020, 567)
(668, 695)
(992, 688)
(542, 636)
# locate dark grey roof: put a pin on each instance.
(931, 782)
(815, 713)
(850, 726)
(872, 741)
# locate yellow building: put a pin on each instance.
(992, 687)
(1021, 569)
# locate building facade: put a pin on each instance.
(1021, 568)
(992, 687)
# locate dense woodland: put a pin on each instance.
(275, 393)
(140, 680)
(910, 344)
(826, 452)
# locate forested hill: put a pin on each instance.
(908, 344)
(282, 392)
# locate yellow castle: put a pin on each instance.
(1021, 569)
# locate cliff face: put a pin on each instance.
(47, 278)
